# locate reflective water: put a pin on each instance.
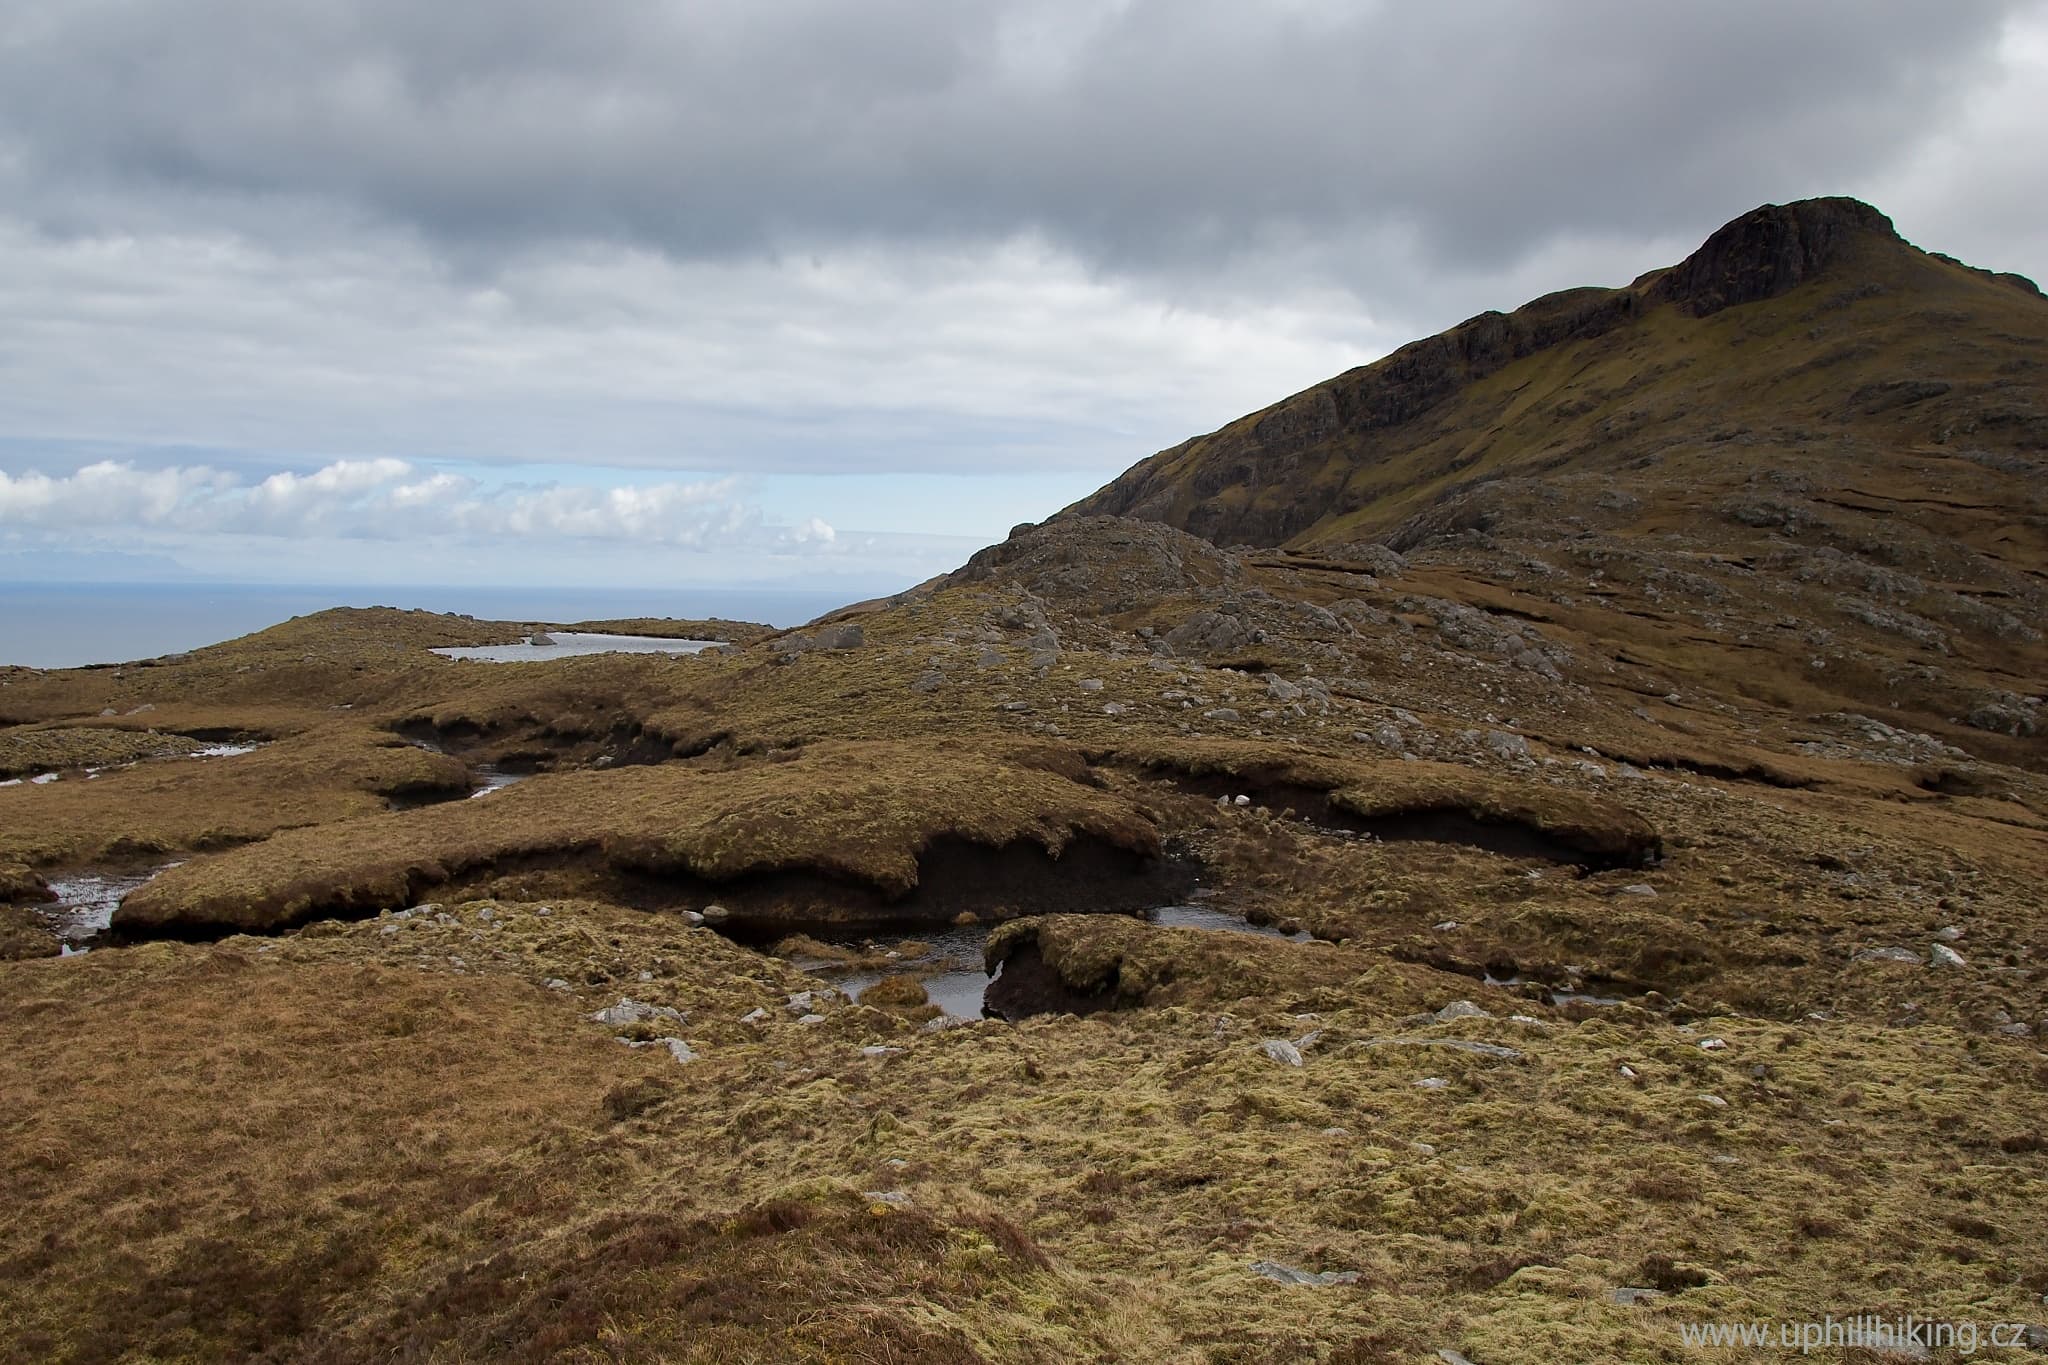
(1556, 997)
(85, 904)
(491, 778)
(566, 644)
(952, 971)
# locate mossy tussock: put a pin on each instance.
(24, 935)
(1079, 964)
(865, 816)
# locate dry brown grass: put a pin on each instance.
(859, 814)
(178, 804)
(208, 1154)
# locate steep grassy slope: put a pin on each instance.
(1811, 330)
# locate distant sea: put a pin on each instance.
(64, 625)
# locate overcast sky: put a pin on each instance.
(787, 290)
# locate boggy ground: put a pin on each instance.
(365, 1111)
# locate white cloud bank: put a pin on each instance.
(390, 499)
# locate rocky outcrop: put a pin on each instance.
(1768, 251)
(1114, 564)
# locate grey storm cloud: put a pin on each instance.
(1144, 135)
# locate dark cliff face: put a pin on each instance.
(1768, 251)
(1289, 471)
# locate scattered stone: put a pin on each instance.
(1713, 1044)
(1630, 1296)
(895, 1199)
(755, 1015)
(1014, 706)
(555, 983)
(812, 1019)
(1503, 745)
(1444, 926)
(1944, 956)
(1225, 714)
(1477, 1049)
(1884, 955)
(1948, 934)
(931, 680)
(1628, 1073)
(1279, 689)
(1280, 1050)
(1639, 889)
(1115, 708)
(716, 914)
(1461, 1009)
(801, 1001)
(677, 1048)
(879, 1051)
(1208, 632)
(1090, 684)
(1450, 1357)
(847, 635)
(1432, 1083)
(630, 1011)
(1240, 800)
(1287, 1274)
(1713, 1102)
(1388, 737)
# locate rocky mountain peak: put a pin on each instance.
(1769, 250)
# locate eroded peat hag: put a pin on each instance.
(957, 879)
(1425, 802)
(1608, 742)
(846, 835)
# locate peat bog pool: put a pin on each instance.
(85, 904)
(952, 973)
(567, 644)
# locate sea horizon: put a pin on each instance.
(73, 625)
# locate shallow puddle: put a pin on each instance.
(952, 972)
(1557, 998)
(567, 644)
(86, 903)
(1201, 917)
(490, 778)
